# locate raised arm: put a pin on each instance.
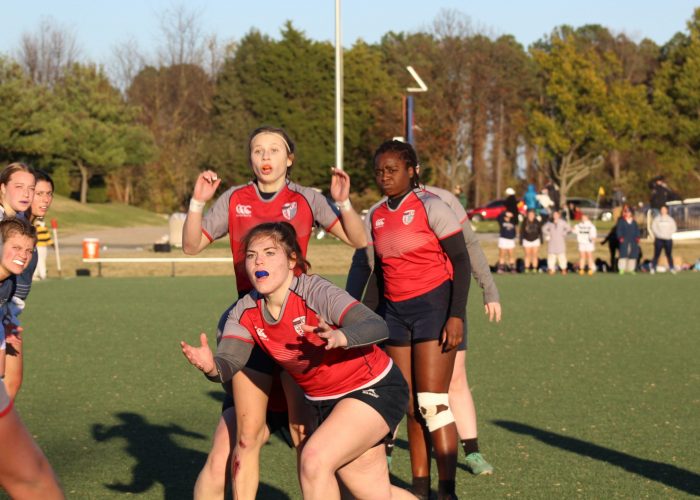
(351, 229)
(193, 239)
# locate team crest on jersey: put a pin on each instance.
(289, 210)
(379, 223)
(298, 323)
(408, 217)
(243, 211)
(261, 333)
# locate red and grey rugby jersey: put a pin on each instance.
(407, 240)
(321, 373)
(241, 208)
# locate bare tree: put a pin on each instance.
(46, 53)
(127, 61)
(183, 40)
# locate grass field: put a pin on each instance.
(75, 217)
(588, 388)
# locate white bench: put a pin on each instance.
(144, 260)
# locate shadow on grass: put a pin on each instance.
(670, 475)
(158, 458)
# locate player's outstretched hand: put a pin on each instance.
(200, 357)
(493, 311)
(340, 185)
(205, 186)
(334, 338)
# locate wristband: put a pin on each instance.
(344, 206)
(197, 206)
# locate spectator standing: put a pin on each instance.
(663, 226)
(530, 240)
(530, 198)
(506, 241)
(661, 194)
(628, 235)
(555, 232)
(546, 203)
(586, 234)
(613, 246)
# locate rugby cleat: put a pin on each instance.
(477, 465)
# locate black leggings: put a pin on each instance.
(667, 247)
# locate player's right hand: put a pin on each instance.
(206, 185)
(200, 357)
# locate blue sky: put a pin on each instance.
(99, 26)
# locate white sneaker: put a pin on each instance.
(652, 271)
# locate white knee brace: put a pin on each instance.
(435, 418)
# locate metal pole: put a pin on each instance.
(409, 121)
(54, 227)
(338, 89)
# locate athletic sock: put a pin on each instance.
(446, 490)
(389, 447)
(421, 487)
(470, 446)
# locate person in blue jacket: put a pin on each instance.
(530, 198)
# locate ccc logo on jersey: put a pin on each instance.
(261, 333)
(243, 211)
(289, 210)
(379, 223)
(408, 217)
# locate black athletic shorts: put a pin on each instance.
(388, 397)
(258, 360)
(420, 318)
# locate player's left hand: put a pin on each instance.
(493, 311)
(333, 338)
(452, 333)
(340, 185)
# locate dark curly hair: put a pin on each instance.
(406, 153)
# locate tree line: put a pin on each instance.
(582, 107)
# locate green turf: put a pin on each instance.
(589, 388)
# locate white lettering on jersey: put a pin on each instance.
(261, 333)
(243, 211)
(289, 210)
(297, 323)
(408, 217)
(379, 223)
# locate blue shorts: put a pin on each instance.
(420, 318)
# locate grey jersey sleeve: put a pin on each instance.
(480, 266)
(337, 307)
(362, 327)
(215, 221)
(325, 213)
(235, 343)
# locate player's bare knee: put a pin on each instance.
(435, 409)
(251, 441)
(313, 463)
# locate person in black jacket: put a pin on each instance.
(530, 240)
(613, 245)
(660, 194)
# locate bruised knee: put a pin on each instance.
(435, 409)
(251, 439)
